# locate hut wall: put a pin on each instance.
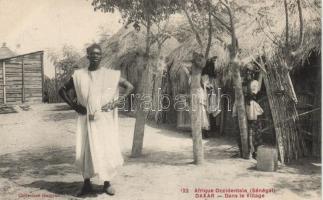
(21, 79)
(307, 82)
(279, 89)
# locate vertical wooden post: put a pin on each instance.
(23, 79)
(4, 81)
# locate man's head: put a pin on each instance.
(94, 54)
(213, 58)
(198, 60)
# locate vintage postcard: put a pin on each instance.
(160, 99)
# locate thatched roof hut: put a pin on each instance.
(264, 38)
(285, 100)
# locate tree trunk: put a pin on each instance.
(157, 85)
(209, 42)
(196, 126)
(141, 113)
(286, 26)
(237, 81)
(301, 23)
(241, 110)
(143, 89)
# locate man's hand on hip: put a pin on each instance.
(80, 109)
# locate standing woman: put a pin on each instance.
(210, 84)
(253, 111)
(97, 144)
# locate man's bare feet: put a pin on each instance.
(107, 188)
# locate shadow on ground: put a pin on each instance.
(160, 158)
(41, 163)
(300, 186)
(38, 163)
(60, 116)
(221, 148)
(61, 107)
(310, 180)
(64, 188)
(214, 150)
(6, 109)
(169, 130)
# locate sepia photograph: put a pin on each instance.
(160, 100)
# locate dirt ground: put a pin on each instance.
(37, 162)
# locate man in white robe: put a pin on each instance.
(97, 144)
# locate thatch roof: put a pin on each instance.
(126, 45)
(182, 55)
(258, 35)
(5, 52)
(261, 28)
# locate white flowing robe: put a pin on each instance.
(97, 144)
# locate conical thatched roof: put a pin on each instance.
(5, 52)
(128, 43)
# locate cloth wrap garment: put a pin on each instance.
(97, 144)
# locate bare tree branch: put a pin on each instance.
(210, 30)
(143, 23)
(233, 33)
(267, 35)
(287, 26)
(197, 35)
(221, 21)
(148, 43)
(301, 23)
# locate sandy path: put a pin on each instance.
(37, 154)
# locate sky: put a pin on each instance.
(34, 25)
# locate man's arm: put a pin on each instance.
(127, 85)
(63, 92)
(128, 89)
